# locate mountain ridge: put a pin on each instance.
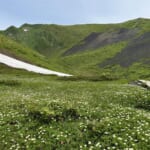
(106, 47)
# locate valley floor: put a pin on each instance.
(42, 113)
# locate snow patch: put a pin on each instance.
(14, 63)
(25, 30)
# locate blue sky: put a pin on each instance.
(17, 12)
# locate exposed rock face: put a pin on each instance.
(143, 83)
(137, 50)
(97, 40)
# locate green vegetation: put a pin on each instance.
(141, 23)
(96, 109)
(87, 63)
(44, 112)
(52, 41)
(11, 48)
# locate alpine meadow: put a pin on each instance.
(101, 103)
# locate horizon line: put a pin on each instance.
(92, 23)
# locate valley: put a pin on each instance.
(99, 107)
(42, 112)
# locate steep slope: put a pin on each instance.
(16, 50)
(52, 40)
(137, 50)
(25, 57)
(14, 63)
(118, 49)
(124, 51)
(98, 40)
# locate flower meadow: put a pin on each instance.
(43, 113)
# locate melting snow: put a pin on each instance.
(25, 30)
(9, 61)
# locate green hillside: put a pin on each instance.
(21, 52)
(51, 39)
(122, 50)
(101, 107)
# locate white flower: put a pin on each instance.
(89, 142)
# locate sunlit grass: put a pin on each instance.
(45, 113)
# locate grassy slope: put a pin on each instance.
(42, 112)
(54, 40)
(87, 62)
(21, 52)
(11, 48)
(90, 60)
(141, 23)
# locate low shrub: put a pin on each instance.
(10, 82)
(143, 104)
(47, 115)
(90, 78)
(70, 113)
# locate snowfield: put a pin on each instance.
(14, 63)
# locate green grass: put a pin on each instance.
(53, 40)
(11, 48)
(95, 109)
(141, 23)
(43, 112)
(88, 63)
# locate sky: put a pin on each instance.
(66, 12)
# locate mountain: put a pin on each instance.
(51, 39)
(119, 50)
(13, 49)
